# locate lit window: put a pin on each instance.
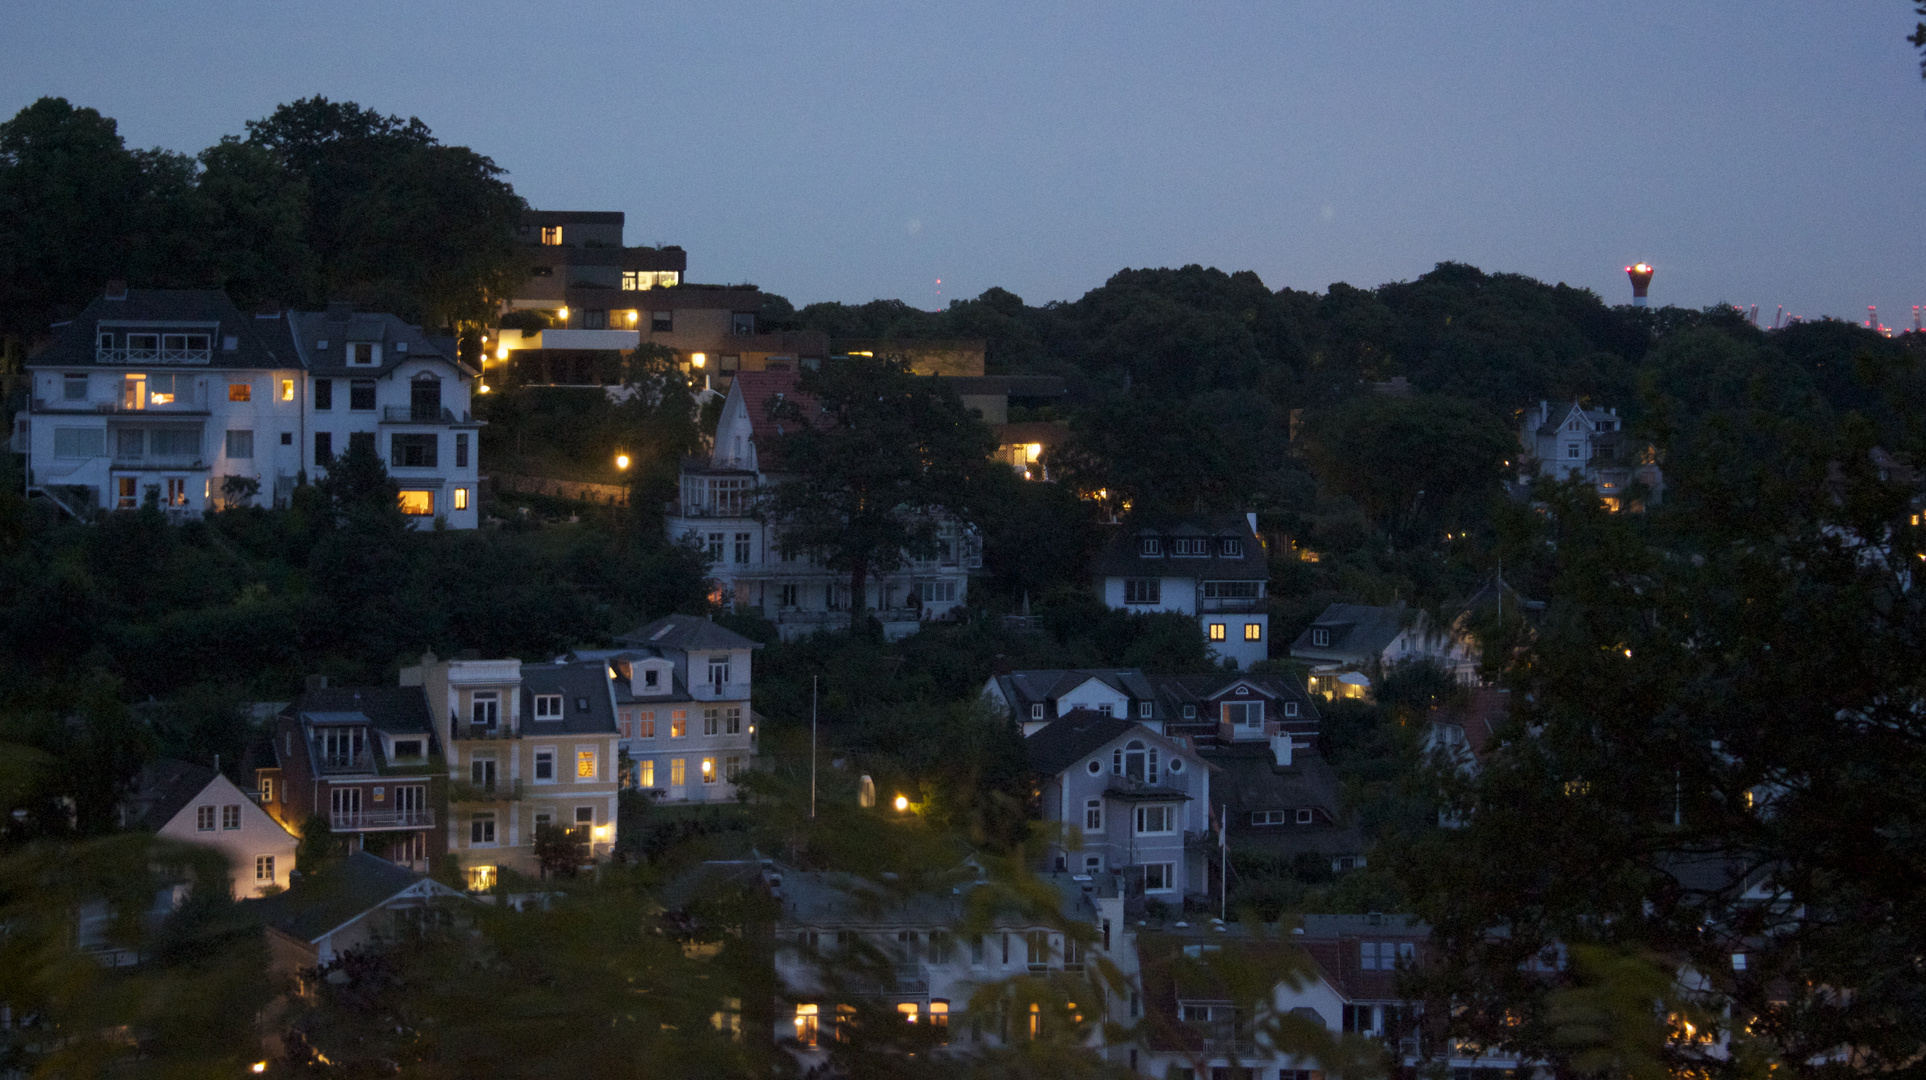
(1217, 631)
(678, 772)
(461, 498)
(240, 391)
(940, 1020)
(418, 503)
(678, 723)
(264, 869)
(908, 1010)
(552, 235)
(585, 764)
(481, 878)
(1253, 631)
(645, 773)
(287, 389)
(548, 706)
(806, 1021)
(709, 770)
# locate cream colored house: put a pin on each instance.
(196, 805)
(528, 745)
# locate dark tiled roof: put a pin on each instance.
(339, 328)
(259, 342)
(1177, 691)
(1065, 740)
(1025, 688)
(1357, 632)
(326, 899)
(685, 633)
(1249, 779)
(1122, 555)
(396, 710)
(163, 789)
(584, 686)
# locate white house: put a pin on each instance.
(1565, 440)
(717, 510)
(175, 398)
(196, 805)
(1130, 795)
(352, 904)
(1349, 646)
(1211, 568)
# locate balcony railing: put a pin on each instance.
(478, 731)
(183, 462)
(408, 414)
(463, 791)
(153, 356)
(1230, 603)
(730, 691)
(380, 820)
(344, 763)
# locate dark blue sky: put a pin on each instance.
(1765, 152)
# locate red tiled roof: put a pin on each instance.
(1484, 709)
(758, 388)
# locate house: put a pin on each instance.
(1346, 980)
(365, 761)
(194, 804)
(750, 569)
(1351, 645)
(1035, 698)
(528, 746)
(175, 399)
(1130, 797)
(351, 904)
(686, 729)
(843, 946)
(598, 297)
(1565, 440)
(1212, 568)
(1457, 735)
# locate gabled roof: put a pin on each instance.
(584, 687)
(260, 343)
(163, 789)
(393, 710)
(400, 342)
(757, 389)
(319, 903)
(684, 633)
(1357, 631)
(1248, 779)
(1075, 735)
(1122, 554)
(1180, 690)
(1051, 684)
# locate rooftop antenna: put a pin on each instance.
(1777, 315)
(1915, 318)
(1872, 317)
(1754, 317)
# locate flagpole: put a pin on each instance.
(812, 748)
(1223, 863)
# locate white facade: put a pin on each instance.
(1566, 441)
(1212, 570)
(260, 853)
(1131, 801)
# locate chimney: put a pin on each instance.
(117, 289)
(1281, 751)
(340, 310)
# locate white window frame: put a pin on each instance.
(544, 755)
(1165, 872)
(548, 706)
(1150, 816)
(264, 869)
(1093, 815)
(1143, 710)
(1036, 711)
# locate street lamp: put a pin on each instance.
(621, 461)
(902, 803)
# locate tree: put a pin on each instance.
(1417, 464)
(1152, 455)
(877, 462)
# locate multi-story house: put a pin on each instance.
(374, 377)
(528, 746)
(367, 762)
(1131, 797)
(175, 398)
(196, 805)
(1567, 441)
(1211, 568)
(681, 689)
(748, 565)
(598, 295)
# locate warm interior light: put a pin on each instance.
(562, 314)
(483, 389)
(1032, 451)
(902, 803)
(501, 353)
(632, 316)
(259, 1067)
(621, 461)
(698, 359)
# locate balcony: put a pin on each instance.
(153, 356)
(408, 414)
(380, 820)
(1230, 604)
(499, 791)
(731, 691)
(337, 764)
(481, 733)
(162, 462)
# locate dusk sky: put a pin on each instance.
(1763, 153)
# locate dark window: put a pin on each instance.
(424, 399)
(461, 450)
(361, 395)
(595, 319)
(1143, 591)
(287, 438)
(414, 451)
(743, 323)
(323, 394)
(662, 322)
(541, 271)
(323, 447)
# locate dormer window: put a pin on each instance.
(1290, 708)
(1189, 547)
(1143, 710)
(1320, 636)
(651, 677)
(1152, 546)
(1190, 712)
(1036, 711)
(548, 706)
(364, 353)
(1233, 549)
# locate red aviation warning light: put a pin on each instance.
(1641, 275)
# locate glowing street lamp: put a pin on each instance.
(902, 804)
(621, 461)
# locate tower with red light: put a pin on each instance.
(1641, 275)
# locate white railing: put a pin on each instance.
(367, 820)
(153, 356)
